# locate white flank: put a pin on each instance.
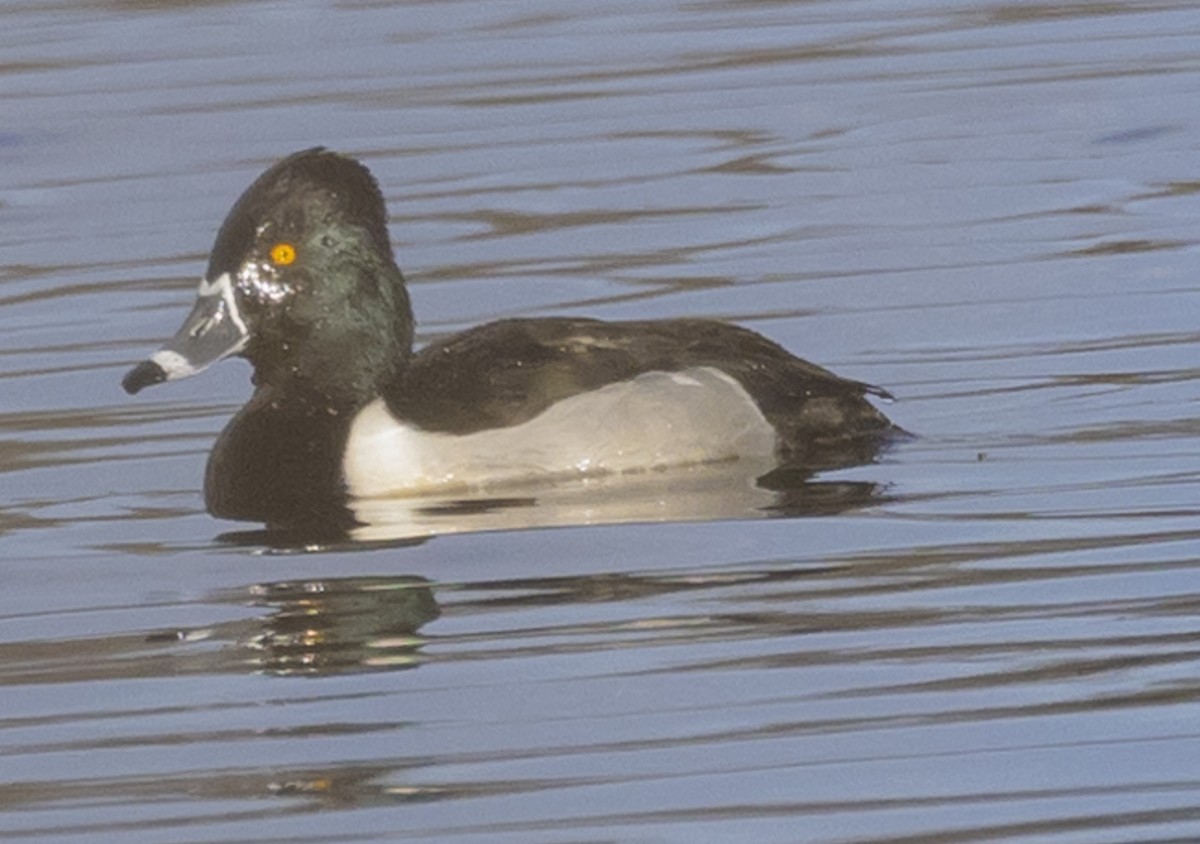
(654, 421)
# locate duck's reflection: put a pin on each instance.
(332, 626)
(741, 489)
(341, 625)
(312, 627)
(320, 627)
(738, 489)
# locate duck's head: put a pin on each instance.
(301, 282)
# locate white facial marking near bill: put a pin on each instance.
(222, 286)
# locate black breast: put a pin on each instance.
(280, 463)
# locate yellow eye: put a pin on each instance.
(283, 254)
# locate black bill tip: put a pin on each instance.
(145, 374)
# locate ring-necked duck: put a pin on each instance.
(302, 282)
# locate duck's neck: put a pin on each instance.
(279, 460)
(339, 353)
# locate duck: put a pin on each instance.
(302, 282)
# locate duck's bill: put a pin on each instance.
(212, 331)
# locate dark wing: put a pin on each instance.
(505, 373)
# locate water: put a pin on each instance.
(990, 634)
